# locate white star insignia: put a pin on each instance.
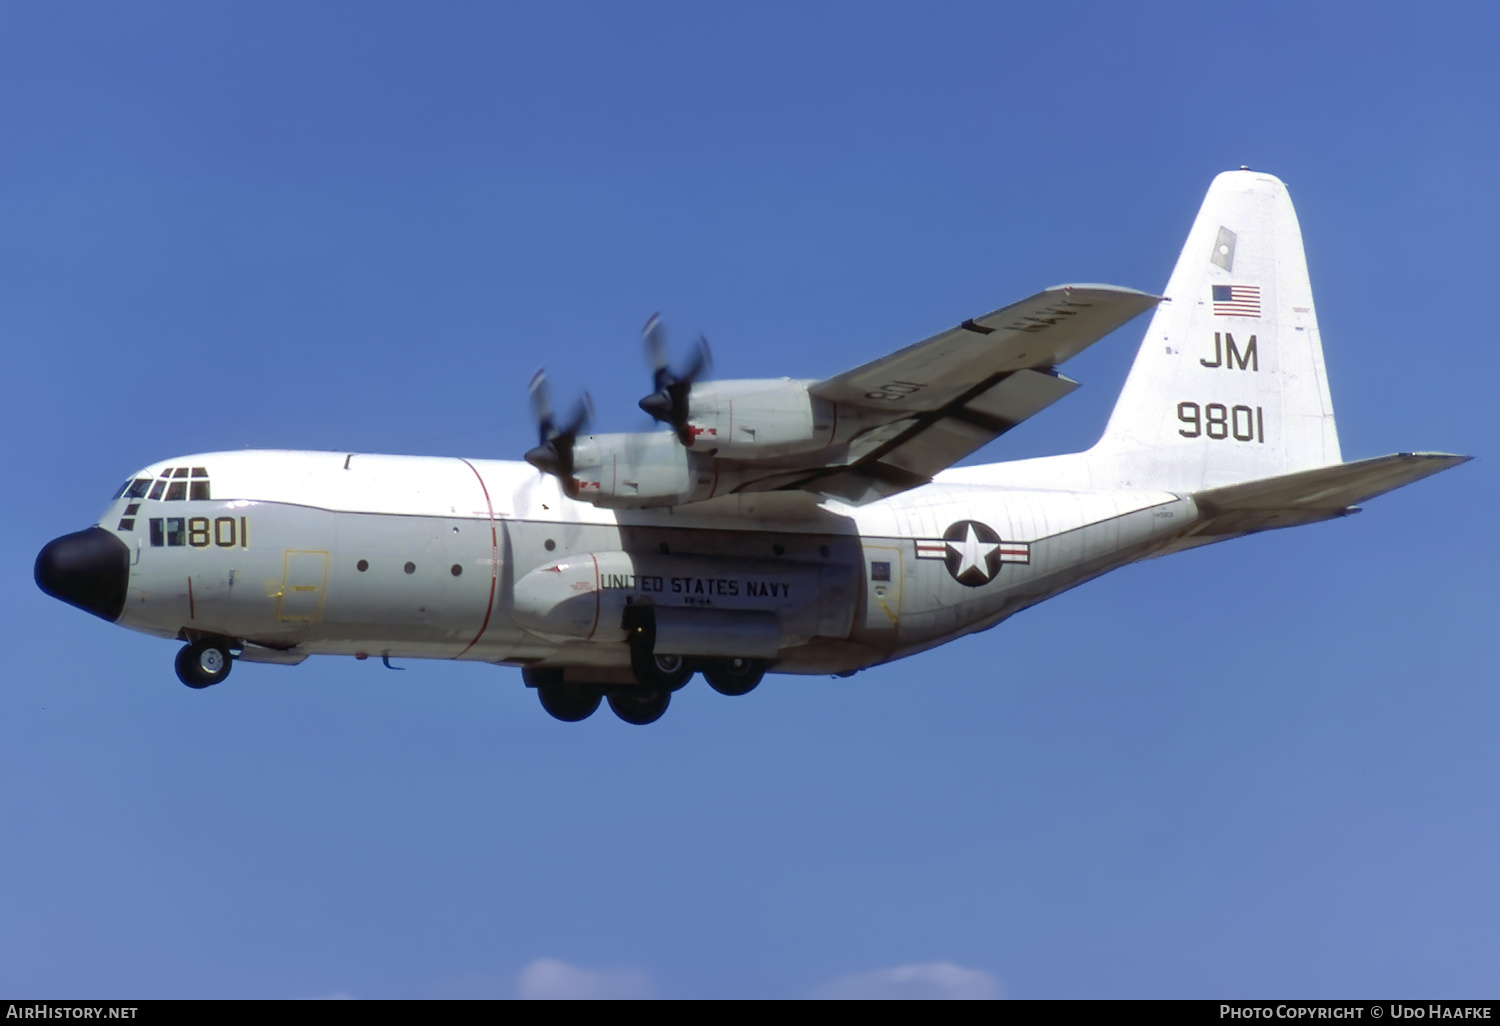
(973, 554)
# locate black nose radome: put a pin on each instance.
(88, 569)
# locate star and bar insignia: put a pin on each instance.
(972, 552)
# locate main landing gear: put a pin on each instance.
(571, 701)
(734, 677)
(669, 672)
(647, 701)
(204, 663)
(639, 705)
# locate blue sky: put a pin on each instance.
(1263, 769)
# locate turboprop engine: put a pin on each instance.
(754, 419)
(636, 471)
(725, 436)
(710, 421)
(757, 419)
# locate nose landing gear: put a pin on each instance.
(204, 663)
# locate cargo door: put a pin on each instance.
(304, 581)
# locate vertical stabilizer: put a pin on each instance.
(1229, 383)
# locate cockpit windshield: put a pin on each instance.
(134, 489)
(169, 485)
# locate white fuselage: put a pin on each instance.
(333, 553)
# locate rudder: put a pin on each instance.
(1229, 383)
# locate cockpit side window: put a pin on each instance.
(176, 490)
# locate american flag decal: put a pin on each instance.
(1236, 300)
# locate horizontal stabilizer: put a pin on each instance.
(1312, 495)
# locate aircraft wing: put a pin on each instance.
(936, 402)
(1037, 334)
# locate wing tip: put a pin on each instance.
(1448, 459)
(1116, 290)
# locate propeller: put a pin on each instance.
(554, 454)
(669, 403)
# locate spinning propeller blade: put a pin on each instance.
(554, 454)
(668, 404)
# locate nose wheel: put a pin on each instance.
(203, 664)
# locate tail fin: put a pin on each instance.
(1229, 383)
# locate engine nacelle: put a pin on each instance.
(758, 419)
(636, 471)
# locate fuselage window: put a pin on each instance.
(175, 533)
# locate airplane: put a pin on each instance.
(781, 525)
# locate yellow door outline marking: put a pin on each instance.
(321, 586)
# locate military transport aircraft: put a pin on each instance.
(787, 525)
